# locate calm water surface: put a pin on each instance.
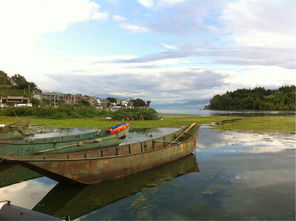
(201, 112)
(231, 176)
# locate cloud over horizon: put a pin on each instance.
(167, 51)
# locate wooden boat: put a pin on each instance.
(71, 143)
(9, 211)
(79, 200)
(94, 166)
(12, 131)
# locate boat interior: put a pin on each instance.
(121, 150)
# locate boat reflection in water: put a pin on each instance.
(11, 173)
(75, 201)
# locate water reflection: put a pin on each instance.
(141, 134)
(233, 141)
(27, 194)
(75, 201)
(57, 132)
(201, 112)
(11, 173)
(244, 176)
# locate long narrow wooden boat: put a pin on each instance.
(71, 143)
(14, 130)
(8, 211)
(109, 163)
(79, 200)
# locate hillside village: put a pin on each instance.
(17, 91)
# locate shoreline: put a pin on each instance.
(263, 124)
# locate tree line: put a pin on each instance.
(16, 81)
(258, 98)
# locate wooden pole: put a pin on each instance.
(187, 129)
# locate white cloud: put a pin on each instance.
(168, 3)
(133, 27)
(261, 23)
(146, 3)
(118, 18)
(168, 46)
(25, 194)
(24, 22)
(202, 67)
(37, 17)
(259, 75)
(159, 3)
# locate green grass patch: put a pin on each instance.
(7, 90)
(280, 124)
(135, 114)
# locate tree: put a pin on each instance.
(138, 102)
(46, 102)
(111, 99)
(4, 79)
(21, 82)
(85, 103)
(35, 102)
(256, 99)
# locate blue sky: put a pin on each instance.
(166, 51)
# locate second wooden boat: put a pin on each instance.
(94, 166)
(14, 130)
(71, 143)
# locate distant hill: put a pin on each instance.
(258, 98)
(15, 85)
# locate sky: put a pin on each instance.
(167, 51)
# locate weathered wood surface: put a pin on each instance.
(78, 200)
(70, 143)
(109, 163)
(14, 130)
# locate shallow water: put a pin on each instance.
(55, 132)
(231, 176)
(245, 113)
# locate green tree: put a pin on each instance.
(139, 102)
(85, 103)
(21, 82)
(256, 99)
(111, 99)
(4, 79)
(35, 102)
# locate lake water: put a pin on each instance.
(201, 112)
(231, 176)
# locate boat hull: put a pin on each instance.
(91, 167)
(78, 200)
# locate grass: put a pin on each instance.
(280, 124)
(8, 90)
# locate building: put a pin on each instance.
(12, 100)
(55, 99)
